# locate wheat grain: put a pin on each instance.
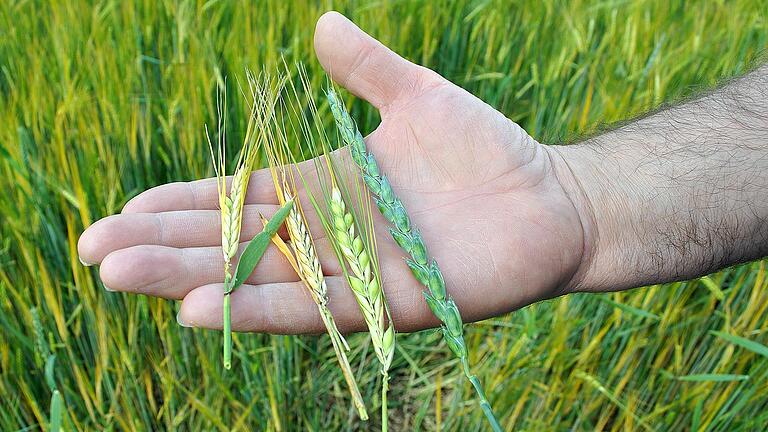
(407, 237)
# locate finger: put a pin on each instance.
(180, 229)
(199, 195)
(204, 194)
(287, 308)
(365, 66)
(281, 308)
(171, 273)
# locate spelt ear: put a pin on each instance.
(364, 65)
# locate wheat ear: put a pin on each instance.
(311, 274)
(364, 279)
(407, 237)
(231, 204)
(303, 256)
(231, 223)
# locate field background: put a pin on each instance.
(101, 100)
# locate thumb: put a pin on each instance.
(365, 66)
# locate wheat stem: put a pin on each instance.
(227, 323)
(384, 389)
(408, 238)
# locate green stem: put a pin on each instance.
(484, 404)
(227, 324)
(384, 389)
(57, 405)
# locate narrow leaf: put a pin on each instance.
(283, 248)
(713, 377)
(256, 248)
(49, 363)
(57, 407)
(630, 309)
(745, 343)
(712, 287)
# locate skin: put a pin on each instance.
(511, 221)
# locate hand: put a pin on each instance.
(484, 194)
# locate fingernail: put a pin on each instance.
(106, 288)
(83, 262)
(180, 321)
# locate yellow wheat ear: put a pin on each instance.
(231, 203)
(301, 252)
(343, 206)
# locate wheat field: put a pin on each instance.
(100, 100)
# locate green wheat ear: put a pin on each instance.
(407, 237)
(357, 257)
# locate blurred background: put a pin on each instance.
(100, 100)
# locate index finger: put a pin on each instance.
(199, 195)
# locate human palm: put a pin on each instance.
(484, 195)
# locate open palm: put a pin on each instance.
(484, 194)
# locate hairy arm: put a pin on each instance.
(674, 195)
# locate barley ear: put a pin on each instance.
(408, 238)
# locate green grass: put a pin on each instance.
(98, 104)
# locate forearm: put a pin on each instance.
(677, 194)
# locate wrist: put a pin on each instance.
(601, 194)
(674, 195)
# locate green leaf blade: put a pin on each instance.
(256, 248)
(713, 377)
(745, 343)
(630, 309)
